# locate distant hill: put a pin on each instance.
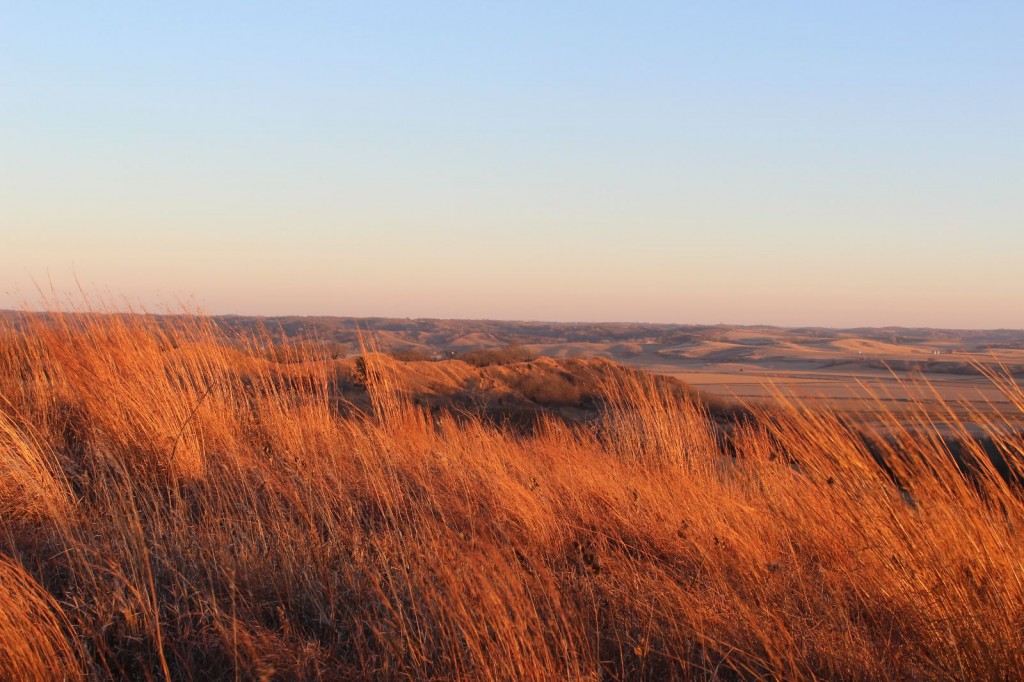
(650, 346)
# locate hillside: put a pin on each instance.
(177, 503)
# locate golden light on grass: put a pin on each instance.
(177, 503)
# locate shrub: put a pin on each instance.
(550, 389)
(508, 355)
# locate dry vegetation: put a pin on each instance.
(175, 506)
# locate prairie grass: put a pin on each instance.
(178, 505)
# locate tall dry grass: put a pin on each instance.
(175, 506)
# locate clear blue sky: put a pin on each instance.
(836, 163)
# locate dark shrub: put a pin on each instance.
(508, 355)
(553, 389)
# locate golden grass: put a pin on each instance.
(173, 505)
(35, 639)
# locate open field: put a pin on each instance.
(179, 501)
(863, 373)
(860, 372)
(857, 372)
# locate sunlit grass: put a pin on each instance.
(173, 504)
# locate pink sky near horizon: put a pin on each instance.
(540, 292)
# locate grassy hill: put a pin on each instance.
(180, 499)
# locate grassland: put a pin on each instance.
(179, 500)
(855, 371)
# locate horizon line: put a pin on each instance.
(742, 325)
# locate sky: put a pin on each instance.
(791, 163)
